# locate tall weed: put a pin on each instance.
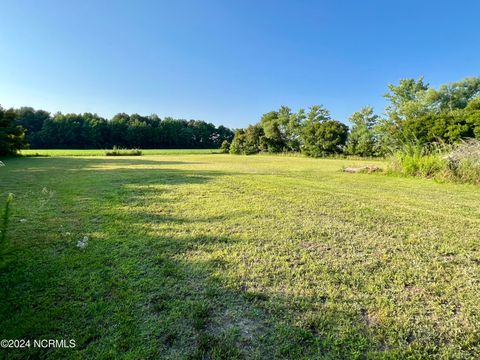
(460, 162)
(5, 219)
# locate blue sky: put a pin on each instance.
(227, 62)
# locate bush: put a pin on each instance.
(123, 152)
(225, 147)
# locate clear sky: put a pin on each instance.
(227, 62)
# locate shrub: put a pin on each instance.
(123, 152)
(225, 147)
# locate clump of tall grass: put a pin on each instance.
(463, 161)
(123, 152)
(459, 162)
(4, 220)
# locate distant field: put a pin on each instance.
(100, 152)
(218, 256)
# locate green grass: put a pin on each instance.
(101, 152)
(220, 256)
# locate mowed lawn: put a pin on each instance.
(100, 152)
(213, 256)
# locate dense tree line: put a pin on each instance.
(416, 113)
(90, 131)
(312, 132)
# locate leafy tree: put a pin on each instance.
(456, 95)
(294, 130)
(221, 133)
(420, 114)
(254, 136)
(238, 143)
(416, 113)
(321, 135)
(361, 140)
(472, 115)
(32, 120)
(274, 137)
(409, 99)
(282, 129)
(12, 136)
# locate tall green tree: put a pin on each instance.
(456, 95)
(254, 139)
(282, 129)
(361, 140)
(32, 121)
(12, 136)
(275, 139)
(326, 138)
(409, 99)
(321, 135)
(237, 146)
(472, 114)
(421, 114)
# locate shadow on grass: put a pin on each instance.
(140, 291)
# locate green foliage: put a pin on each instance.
(324, 138)
(90, 131)
(422, 114)
(253, 139)
(417, 164)
(460, 162)
(274, 127)
(457, 95)
(416, 113)
(238, 143)
(361, 140)
(12, 136)
(408, 99)
(282, 130)
(225, 147)
(249, 141)
(315, 134)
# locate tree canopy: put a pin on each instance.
(415, 113)
(12, 136)
(90, 131)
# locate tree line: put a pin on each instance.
(416, 114)
(38, 129)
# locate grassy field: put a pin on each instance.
(219, 256)
(101, 152)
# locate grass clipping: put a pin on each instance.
(362, 169)
(123, 152)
